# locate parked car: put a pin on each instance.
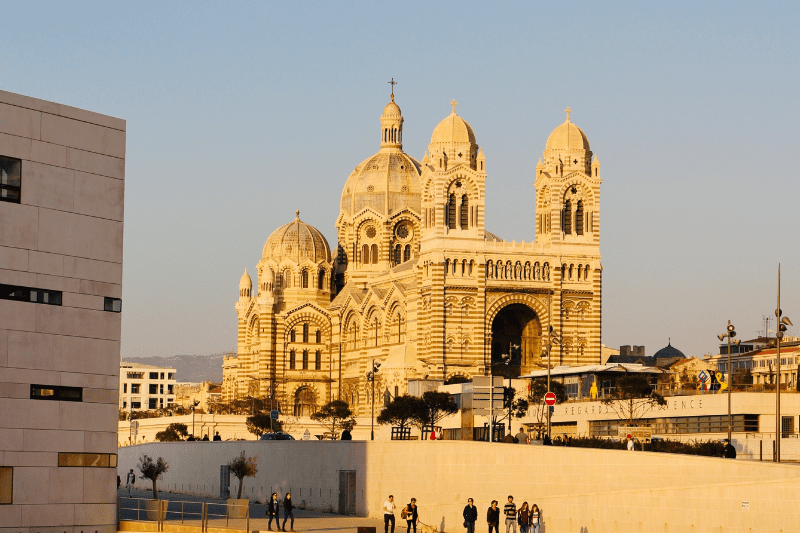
(278, 435)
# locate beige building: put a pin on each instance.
(417, 283)
(201, 394)
(62, 173)
(761, 362)
(145, 387)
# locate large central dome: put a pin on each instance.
(388, 181)
(297, 241)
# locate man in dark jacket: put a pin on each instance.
(730, 451)
(470, 516)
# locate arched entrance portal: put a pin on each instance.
(516, 327)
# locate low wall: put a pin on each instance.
(578, 489)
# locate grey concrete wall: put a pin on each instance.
(591, 491)
(66, 235)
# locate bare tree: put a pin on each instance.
(633, 398)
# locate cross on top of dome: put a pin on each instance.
(392, 83)
(568, 111)
(454, 104)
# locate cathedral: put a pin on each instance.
(417, 284)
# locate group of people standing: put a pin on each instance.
(528, 518)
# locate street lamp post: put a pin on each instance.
(371, 377)
(729, 335)
(193, 421)
(782, 323)
(552, 338)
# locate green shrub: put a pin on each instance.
(709, 448)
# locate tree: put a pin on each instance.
(173, 433)
(538, 408)
(259, 423)
(151, 470)
(633, 398)
(402, 411)
(242, 467)
(435, 406)
(334, 414)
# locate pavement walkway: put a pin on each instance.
(304, 519)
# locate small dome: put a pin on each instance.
(297, 241)
(491, 237)
(453, 129)
(567, 136)
(669, 352)
(245, 282)
(391, 112)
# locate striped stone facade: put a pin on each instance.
(417, 284)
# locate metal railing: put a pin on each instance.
(186, 513)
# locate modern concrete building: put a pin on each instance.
(62, 173)
(145, 387)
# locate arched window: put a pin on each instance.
(304, 404)
(451, 211)
(304, 279)
(365, 254)
(377, 327)
(291, 335)
(398, 250)
(305, 332)
(464, 212)
(318, 337)
(287, 278)
(321, 280)
(317, 360)
(399, 329)
(291, 359)
(566, 223)
(374, 254)
(579, 218)
(305, 359)
(396, 391)
(407, 253)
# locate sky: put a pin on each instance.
(239, 113)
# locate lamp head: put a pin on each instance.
(785, 320)
(730, 327)
(721, 337)
(736, 342)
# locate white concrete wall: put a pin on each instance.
(64, 235)
(598, 490)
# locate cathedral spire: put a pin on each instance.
(392, 124)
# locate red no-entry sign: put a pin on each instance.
(550, 398)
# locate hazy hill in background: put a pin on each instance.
(188, 368)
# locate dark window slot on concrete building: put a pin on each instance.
(10, 178)
(6, 485)
(114, 305)
(56, 393)
(29, 294)
(84, 460)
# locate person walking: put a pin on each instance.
(287, 512)
(119, 482)
(412, 515)
(493, 517)
(470, 516)
(346, 435)
(630, 444)
(217, 437)
(522, 437)
(273, 510)
(524, 518)
(130, 481)
(510, 512)
(388, 514)
(535, 518)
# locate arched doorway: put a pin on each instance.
(516, 327)
(304, 403)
